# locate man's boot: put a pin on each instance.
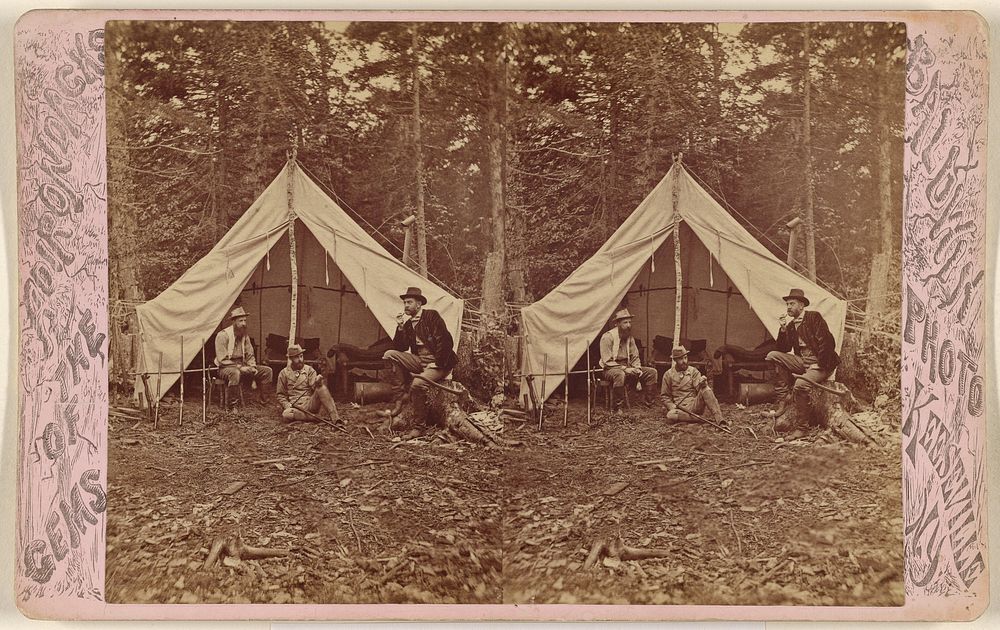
(232, 397)
(328, 403)
(618, 396)
(803, 407)
(418, 397)
(399, 400)
(713, 406)
(781, 390)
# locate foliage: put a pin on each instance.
(585, 118)
(480, 362)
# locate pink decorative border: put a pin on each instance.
(63, 323)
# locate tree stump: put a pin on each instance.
(835, 412)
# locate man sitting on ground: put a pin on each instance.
(806, 352)
(302, 392)
(234, 355)
(423, 350)
(685, 391)
(622, 365)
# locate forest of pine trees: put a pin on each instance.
(520, 147)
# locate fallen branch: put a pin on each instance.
(618, 549)
(235, 548)
(732, 523)
(275, 460)
(595, 554)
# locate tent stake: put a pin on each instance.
(180, 419)
(541, 406)
(566, 386)
(588, 383)
(204, 385)
(159, 384)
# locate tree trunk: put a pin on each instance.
(122, 236)
(808, 217)
(514, 197)
(418, 157)
(612, 202)
(496, 264)
(878, 285)
(678, 274)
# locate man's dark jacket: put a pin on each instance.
(816, 335)
(433, 333)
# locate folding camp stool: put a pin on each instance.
(603, 387)
(216, 381)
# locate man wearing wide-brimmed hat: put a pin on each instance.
(806, 354)
(423, 350)
(302, 392)
(234, 355)
(685, 390)
(621, 362)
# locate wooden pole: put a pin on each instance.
(793, 237)
(408, 259)
(588, 383)
(292, 256)
(678, 276)
(566, 387)
(204, 384)
(180, 419)
(541, 406)
(159, 385)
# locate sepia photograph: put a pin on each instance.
(505, 312)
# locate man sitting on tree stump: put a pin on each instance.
(622, 365)
(423, 350)
(806, 353)
(302, 392)
(234, 355)
(686, 392)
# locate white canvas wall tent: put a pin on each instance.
(348, 284)
(731, 292)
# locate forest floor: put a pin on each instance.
(365, 518)
(746, 517)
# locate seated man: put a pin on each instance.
(422, 346)
(301, 391)
(806, 348)
(621, 363)
(685, 391)
(234, 355)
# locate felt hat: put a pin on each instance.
(238, 312)
(620, 315)
(414, 292)
(678, 352)
(797, 294)
(294, 350)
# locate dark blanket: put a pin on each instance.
(740, 354)
(357, 354)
